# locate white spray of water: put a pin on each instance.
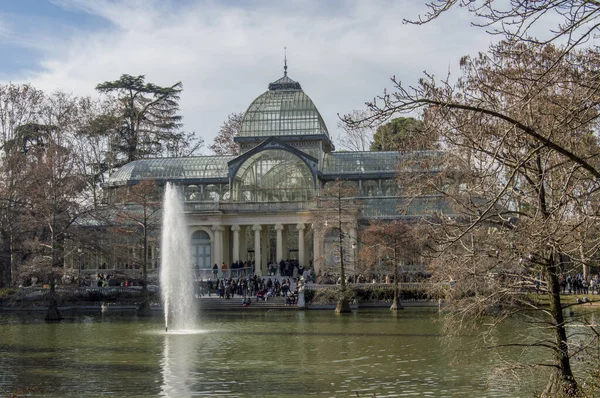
(176, 270)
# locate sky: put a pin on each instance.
(225, 53)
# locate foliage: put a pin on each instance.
(223, 143)
(328, 296)
(366, 294)
(402, 134)
(147, 123)
(7, 293)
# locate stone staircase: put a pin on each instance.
(214, 303)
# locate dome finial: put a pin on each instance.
(284, 61)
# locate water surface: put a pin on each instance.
(256, 354)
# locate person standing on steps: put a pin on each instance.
(224, 270)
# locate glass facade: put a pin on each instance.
(272, 201)
(273, 176)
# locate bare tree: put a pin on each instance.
(19, 105)
(356, 138)
(223, 143)
(49, 202)
(519, 20)
(392, 241)
(139, 218)
(337, 211)
(521, 154)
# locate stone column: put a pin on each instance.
(279, 250)
(243, 243)
(257, 255)
(218, 244)
(301, 252)
(354, 242)
(318, 243)
(264, 244)
(236, 243)
(286, 250)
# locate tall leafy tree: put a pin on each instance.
(223, 142)
(402, 134)
(147, 123)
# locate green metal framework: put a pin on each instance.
(209, 168)
(273, 176)
(282, 113)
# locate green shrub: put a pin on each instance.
(7, 293)
(364, 294)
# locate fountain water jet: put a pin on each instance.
(176, 270)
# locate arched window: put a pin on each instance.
(390, 188)
(370, 188)
(211, 193)
(225, 194)
(273, 176)
(201, 250)
(192, 193)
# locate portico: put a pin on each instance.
(258, 239)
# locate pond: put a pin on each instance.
(233, 354)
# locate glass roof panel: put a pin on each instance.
(339, 163)
(172, 168)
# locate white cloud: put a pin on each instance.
(343, 55)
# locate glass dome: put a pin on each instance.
(283, 110)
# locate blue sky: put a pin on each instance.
(226, 52)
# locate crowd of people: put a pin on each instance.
(250, 286)
(577, 284)
(403, 277)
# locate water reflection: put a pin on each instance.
(177, 364)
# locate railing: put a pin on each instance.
(412, 285)
(203, 274)
(244, 207)
(40, 290)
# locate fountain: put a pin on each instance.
(176, 270)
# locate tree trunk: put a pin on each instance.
(144, 308)
(53, 314)
(562, 380)
(396, 305)
(343, 306)
(5, 260)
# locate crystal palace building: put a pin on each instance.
(262, 205)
